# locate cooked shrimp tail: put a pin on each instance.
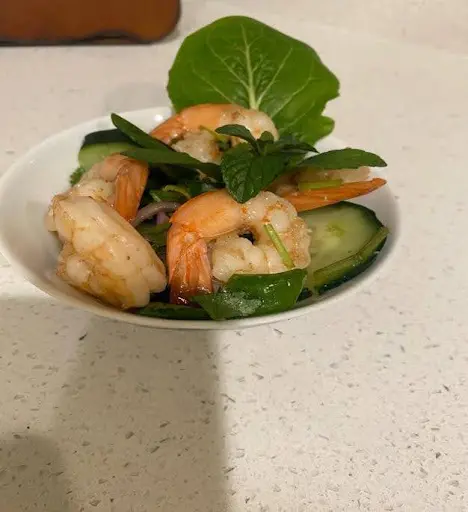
(129, 187)
(311, 199)
(189, 266)
(201, 219)
(103, 254)
(215, 218)
(118, 180)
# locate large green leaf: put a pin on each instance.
(240, 60)
(251, 295)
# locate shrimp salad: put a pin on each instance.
(219, 212)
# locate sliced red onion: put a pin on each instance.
(152, 209)
(161, 218)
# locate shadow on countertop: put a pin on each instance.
(138, 426)
(32, 475)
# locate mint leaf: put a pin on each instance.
(239, 131)
(348, 158)
(246, 173)
(289, 143)
(265, 143)
(241, 60)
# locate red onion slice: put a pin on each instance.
(161, 218)
(152, 209)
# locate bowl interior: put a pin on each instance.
(26, 190)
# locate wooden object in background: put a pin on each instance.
(66, 21)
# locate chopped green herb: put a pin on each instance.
(279, 246)
(178, 189)
(76, 175)
(155, 233)
(166, 195)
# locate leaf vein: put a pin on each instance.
(297, 119)
(233, 73)
(272, 81)
(207, 82)
(251, 91)
(290, 98)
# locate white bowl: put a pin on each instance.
(28, 186)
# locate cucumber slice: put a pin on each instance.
(97, 145)
(345, 240)
(104, 137)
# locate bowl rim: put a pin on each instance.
(378, 269)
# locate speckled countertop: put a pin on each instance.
(361, 407)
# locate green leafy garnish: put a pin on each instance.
(347, 158)
(249, 295)
(246, 173)
(162, 156)
(279, 246)
(155, 234)
(166, 195)
(76, 175)
(252, 166)
(241, 132)
(225, 305)
(181, 193)
(289, 143)
(223, 141)
(305, 294)
(172, 311)
(178, 189)
(137, 135)
(197, 187)
(243, 61)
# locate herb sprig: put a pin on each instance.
(253, 165)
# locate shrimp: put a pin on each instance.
(190, 130)
(215, 218)
(311, 199)
(103, 254)
(117, 179)
(356, 183)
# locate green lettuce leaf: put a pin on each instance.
(240, 60)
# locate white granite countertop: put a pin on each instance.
(363, 406)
